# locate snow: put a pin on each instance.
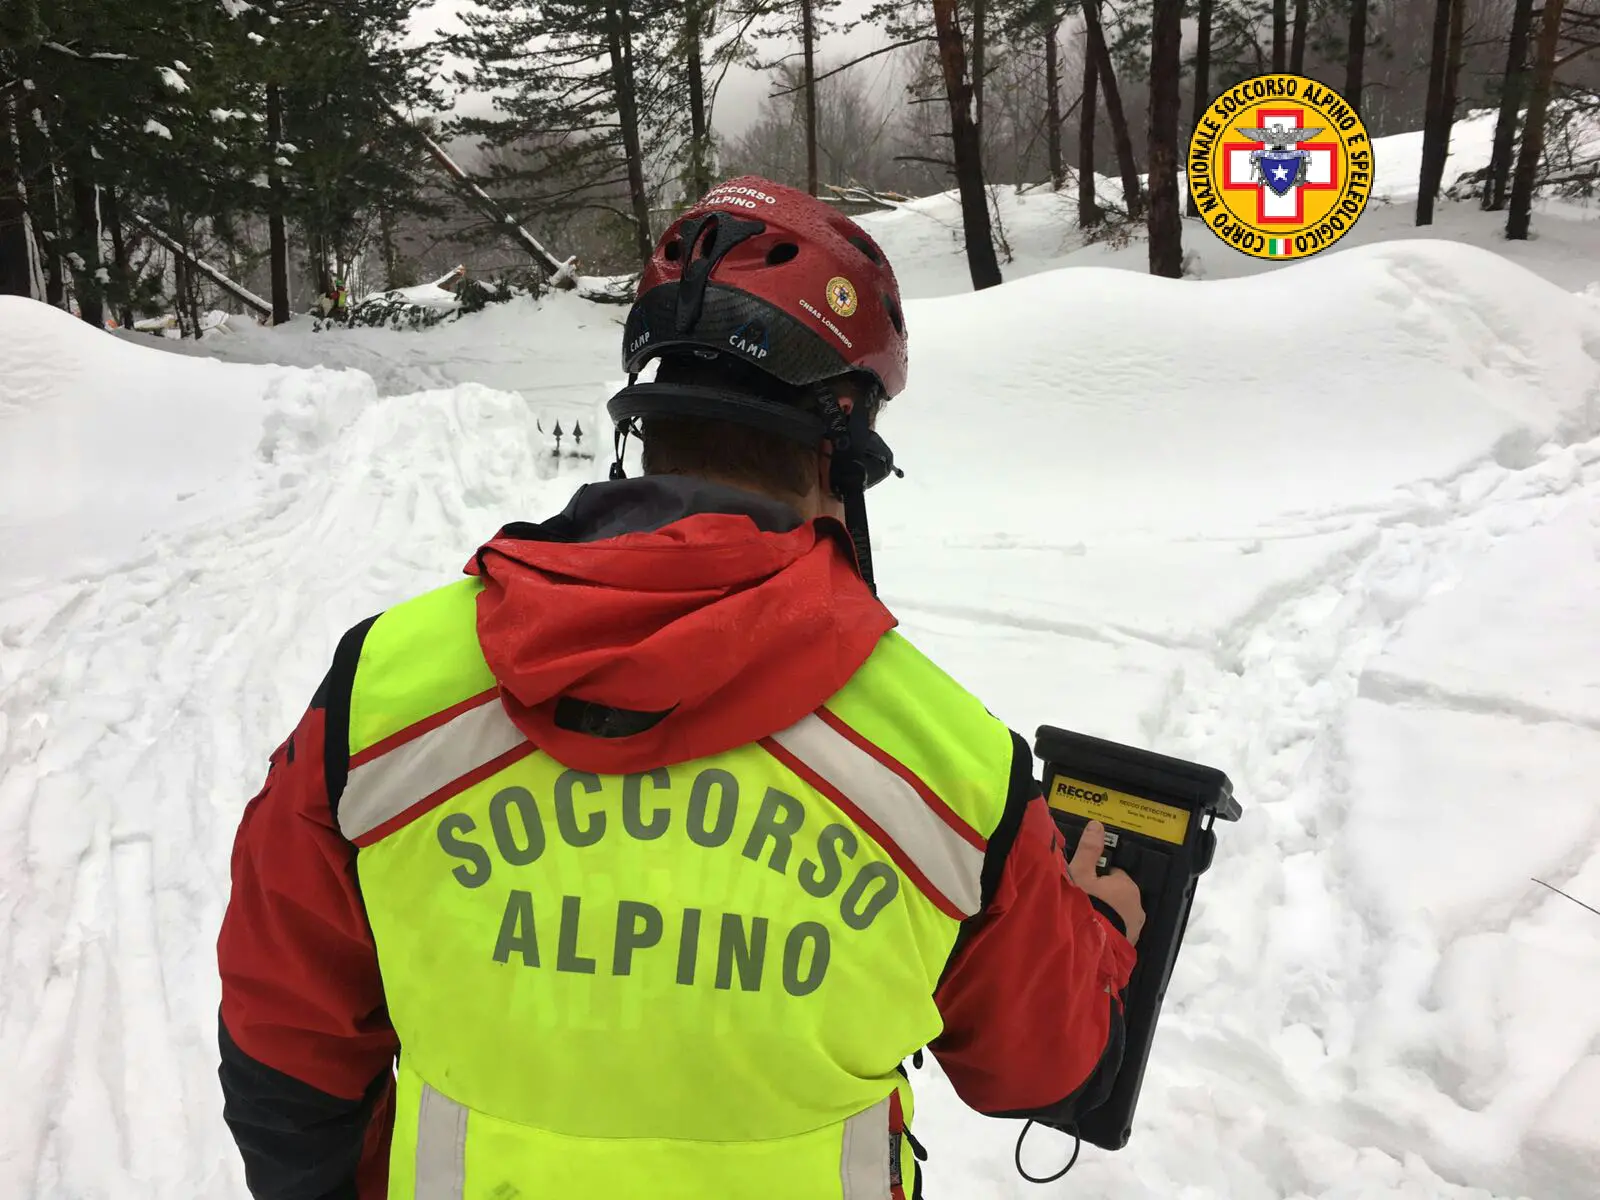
(172, 79)
(156, 127)
(1333, 527)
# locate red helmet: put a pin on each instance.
(773, 277)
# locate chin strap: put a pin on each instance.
(848, 432)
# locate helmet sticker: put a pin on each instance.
(841, 296)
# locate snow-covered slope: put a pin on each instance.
(1040, 228)
(1332, 528)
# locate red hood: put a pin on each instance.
(738, 631)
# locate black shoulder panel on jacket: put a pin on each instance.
(333, 697)
(297, 1142)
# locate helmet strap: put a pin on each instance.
(850, 433)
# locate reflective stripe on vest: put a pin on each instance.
(421, 767)
(864, 1172)
(425, 764)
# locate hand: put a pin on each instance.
(1115, 888)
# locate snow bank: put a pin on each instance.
(101, 442)
(1134, 404)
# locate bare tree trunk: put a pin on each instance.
(1202, 78)
(1452, 82)
(1166, 78)
(44, 212)
(16, 277)
(86, 219)
(1280, 29)
(1052, 108)
(111, 210)
(1355, 63)
(1512, 89)
(1132, 198)
(1089, 214)
(391, 252)
(1435, 128)
(980, 10)
(1544, 70)
(277, 235)
(808, 36)
(180, 288)
(1297, 42)
(699, 141)
(981, 260)
(619, 36)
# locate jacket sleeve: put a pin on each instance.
(1030, 997)
(306, 1045)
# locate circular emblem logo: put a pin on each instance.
(841, 296)
(1280, 166)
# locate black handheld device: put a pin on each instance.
(1158, 813)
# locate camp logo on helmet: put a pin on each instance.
(750, 338)
(841, 296)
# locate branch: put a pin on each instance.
(938, 162)
(1578, 53)
(853, 62)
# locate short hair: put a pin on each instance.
(726, 450)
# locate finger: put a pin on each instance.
(1087, 856)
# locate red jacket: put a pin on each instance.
(610, 600)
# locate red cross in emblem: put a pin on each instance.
(1322, 174)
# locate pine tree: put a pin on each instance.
(588, 97)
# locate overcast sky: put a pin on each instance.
(743, 89)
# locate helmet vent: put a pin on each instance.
(867, 248)
(894, 315)
(673, 250)
(781, 253)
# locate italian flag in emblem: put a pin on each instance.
(1280, 248)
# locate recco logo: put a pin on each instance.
(1084, 794)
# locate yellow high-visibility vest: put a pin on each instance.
(694, 982)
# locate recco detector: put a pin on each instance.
(1158, 813)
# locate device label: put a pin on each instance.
(1120, 810)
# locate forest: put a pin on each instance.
(174, 156)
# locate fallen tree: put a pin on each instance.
(562, 272)
(237, 290)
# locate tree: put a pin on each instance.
(1166, 220)
(1089, 214)
(1297, 39)
(588, 95)
(1095, 33)
(981, 260)
(1052, 115)
(1202, 75)
(1513, 88)
(1355, 63)
(1544, 69)
(696, 25)
(1444, 67)
(15, 277)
